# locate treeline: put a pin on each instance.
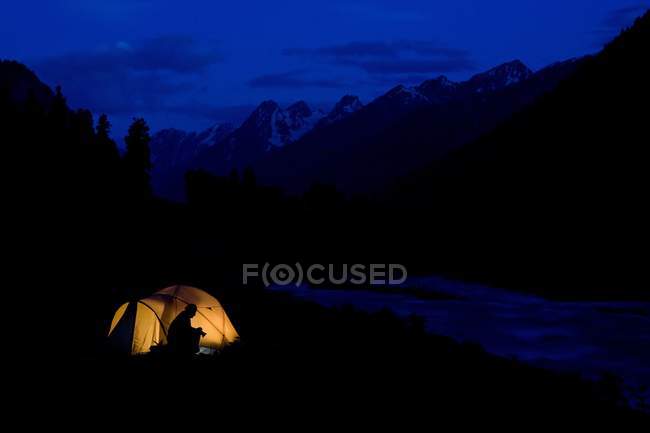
(69, 173)
(95, 235)
(73, 154)
(82, 220)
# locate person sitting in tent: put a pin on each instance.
(182, 339)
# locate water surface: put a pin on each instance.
(586, 337)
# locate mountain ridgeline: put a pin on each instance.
(20, 84)
(405, 128)
(513, 178)
(540, 184)
(561, 187)
(223, 148)
(359, 149)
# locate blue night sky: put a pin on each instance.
(189, 64)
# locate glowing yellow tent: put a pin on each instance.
(137, 326)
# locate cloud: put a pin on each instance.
(130, 78)
(375, 49)
(293, 79)
(351, 49)
(213, 113)
(385, 81)
(417, 66)
(375, 64)
(180, 54)
(398, 57)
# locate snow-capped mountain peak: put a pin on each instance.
(262, 115)
(439, 89)
(290, 124)
(299, 109)
(405, 95)
(500, 77)
(346, 106)
(172, 147)
(273, 126)
(214, 134)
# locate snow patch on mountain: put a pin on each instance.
(213, 135)
(346, 106)
(290, 124)
(172, 148)
(406, 95)
(438, 90)
(500, 77)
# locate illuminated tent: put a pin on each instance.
(137, 326)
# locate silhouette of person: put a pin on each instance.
(182, 339)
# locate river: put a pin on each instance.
(585, 337)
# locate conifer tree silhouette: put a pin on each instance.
(137, 160)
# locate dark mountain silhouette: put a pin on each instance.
(269, 127)
(220, 150)
(498, 78)
(21, 83)
(347, 106)
(438, 90)
(359, 149)
(175, 148)
(561, 187)
(173, 151)
(405, 128)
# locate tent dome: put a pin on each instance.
(137, 326)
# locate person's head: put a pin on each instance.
(191, 310)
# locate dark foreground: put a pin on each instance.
(91, 224)
(337, 367)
